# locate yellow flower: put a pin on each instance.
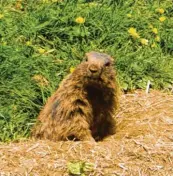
(129, 15)
(133, 33)
(163, 18)
(144, 41)
(1, 16)
(41, 50)
(153, 45)
(80, 20)
(155, 31)
(72, 69)
(160, 10)
(28, 43)
(157, 38)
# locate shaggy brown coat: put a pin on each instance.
(83, 106)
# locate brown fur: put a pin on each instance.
(84, 104)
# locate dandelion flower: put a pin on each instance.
(129, 15)
(160, 10)
(28, 43)
(153, 45)
(157, 39)
(80, 20)
(144, 41)
(133, 33)
(155, 31)
(1, 16)
(41, 50)
(72, 69)
(162, 19)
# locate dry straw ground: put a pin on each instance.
(143, 145)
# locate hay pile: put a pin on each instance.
(143, 145)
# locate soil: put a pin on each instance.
(142, 146)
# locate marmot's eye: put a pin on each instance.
(107, 64)
(86, 59)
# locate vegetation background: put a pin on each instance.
(42, 41)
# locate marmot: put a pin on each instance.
(83, 106)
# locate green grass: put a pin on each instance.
(30, 75)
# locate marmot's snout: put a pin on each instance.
(94, 70)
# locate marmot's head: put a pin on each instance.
(98, 68)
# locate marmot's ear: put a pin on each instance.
(90, 55)
(85, 57)
(113, 59)
(86, 54)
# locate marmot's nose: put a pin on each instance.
(93, 68)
